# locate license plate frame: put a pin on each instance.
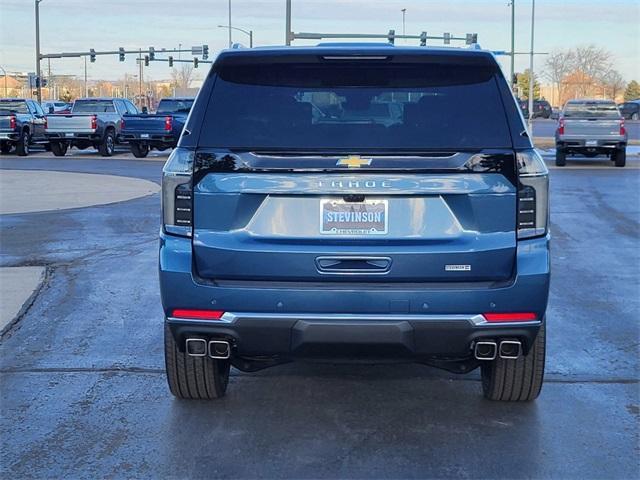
(376, 222)
(591, 143)
(69, 134)
(144, 135)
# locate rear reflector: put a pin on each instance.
(197, 314)
(510, 317)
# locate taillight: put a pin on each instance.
(197, 314)
(177, 197)
(12, 122)
(533, 195)
(561, 126)
(623, 131)
(94, 122)
(122, 124)
(168, 123)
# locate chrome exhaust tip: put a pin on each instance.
(510, 349)
(485, 350)
(219, 349)
(196, 347)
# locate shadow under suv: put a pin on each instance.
(355, 203)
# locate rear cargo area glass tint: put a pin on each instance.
(355, 107)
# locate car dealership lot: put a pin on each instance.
(83, 391)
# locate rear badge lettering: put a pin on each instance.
(457, 268)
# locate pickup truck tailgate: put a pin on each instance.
(69, 123)
(592, 128)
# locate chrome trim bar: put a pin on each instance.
(476, 320)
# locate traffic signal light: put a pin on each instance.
(44, 82)
(152, 53)
(195, 63)
(121, 54)
(170, 61)
(423, 39)
(37, 82)
(392, 36)
(447, 38)
(205, 52)
(92, 55)
(146, 60)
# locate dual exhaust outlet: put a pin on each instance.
(490, 350)
(216, 349)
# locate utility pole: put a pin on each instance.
(287, 39)
(404, 31)
(513, 41)
(39, 81)
(533, 19)
(140, 77)
(49, 83)
(230, 41)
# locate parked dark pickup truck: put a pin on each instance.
(160, 130)
(22, 123)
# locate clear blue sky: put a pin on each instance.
(72, 25)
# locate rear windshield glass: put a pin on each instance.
(93, 106)
(591, 110)
(13, 106)
(174, 106)
(355, 107)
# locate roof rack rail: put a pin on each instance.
(469, 38)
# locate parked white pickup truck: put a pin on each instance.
(590, 128)
(93, 122)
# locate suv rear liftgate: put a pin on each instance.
(342, 206)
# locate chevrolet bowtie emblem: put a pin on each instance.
(354, 161)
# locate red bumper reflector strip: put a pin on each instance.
(197, 314)
(510, 317)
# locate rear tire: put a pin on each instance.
(518, 380)
(193, 378)
(107, 147)
(59, 149)
(139, 150)
(5, 147)
(22, 145)
(634, 116)
(620, 157)
(561, 157)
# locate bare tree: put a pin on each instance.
(558, 65)
(613, 83)
(181, 77)
(594, 62)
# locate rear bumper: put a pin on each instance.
(576, 143)
(71, 136)
(153, 139)
(337, 321)
(12, 136)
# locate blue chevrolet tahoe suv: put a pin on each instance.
(338, 203)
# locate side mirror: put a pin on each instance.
(145, 110)
(51, 110)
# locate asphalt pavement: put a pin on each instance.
(83, 392)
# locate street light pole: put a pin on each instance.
(513, 41)
(230, 41)
(39, 80)
(246, 32)
(287, 39)
(86, 89)
(404, 32)
(533, 19)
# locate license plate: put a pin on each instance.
(144, 135)
(68, 134)
(338, 217)
(592, 143)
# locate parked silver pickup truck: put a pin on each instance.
(93, 122)
(590, 128)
